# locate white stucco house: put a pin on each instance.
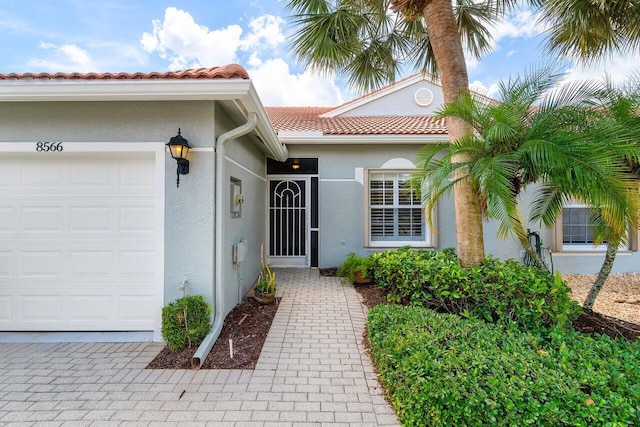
(95, 235)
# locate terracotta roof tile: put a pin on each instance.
(231, 71)
(301, 119)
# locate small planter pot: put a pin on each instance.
(358, 279)
(264, 299)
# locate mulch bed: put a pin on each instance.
(247, 325)
(589, 322)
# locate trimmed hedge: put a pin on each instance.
(186, 322)
(496, 291)
(443, 370)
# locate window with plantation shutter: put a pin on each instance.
(395, 216)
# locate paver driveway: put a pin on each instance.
(312, 372)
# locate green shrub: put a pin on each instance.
(443, 370)
(186, 322)
(355, 264)
(496, 291)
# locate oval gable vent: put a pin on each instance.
(423, 97)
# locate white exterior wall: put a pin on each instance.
(189, 249)
(571, 262)
(244, 162)
(400, 102)
(342, 197)
(189, 209)
(342, 212)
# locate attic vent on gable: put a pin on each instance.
(423, 97)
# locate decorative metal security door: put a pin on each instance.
(288, 222)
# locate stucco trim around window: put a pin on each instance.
(398, 216)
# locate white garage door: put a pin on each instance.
(77, 241)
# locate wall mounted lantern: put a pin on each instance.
(179, 148)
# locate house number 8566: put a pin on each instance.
(49, 146)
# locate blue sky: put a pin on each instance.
(160, 35)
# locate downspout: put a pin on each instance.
(201, 353)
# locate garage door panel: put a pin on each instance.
(136, 219)
(42, 219)
(136, 173)
(83, 308)
(41, 264)
(91, 219)
(6, 264)
(135, 308)
(6, 314)
(46, 308)
(91, 176)
(6, 219)
(48, 175)
(136, 263)
(95, 264)
(78, 242)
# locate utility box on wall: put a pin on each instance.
(239, 252)
(236, 198)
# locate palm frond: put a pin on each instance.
(589, 29)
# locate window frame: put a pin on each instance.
(560, 246)
(428, 240)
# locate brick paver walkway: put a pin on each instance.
(312, 372)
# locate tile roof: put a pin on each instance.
(307, 119)
(231, 71)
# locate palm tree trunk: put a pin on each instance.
(447, 49)
(605, 270)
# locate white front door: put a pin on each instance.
(289, 210)
(78, 241)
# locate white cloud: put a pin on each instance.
(523, 23)
(277, 86)
(618, 68)
(482, 89)
(471, 61)
(65, 57)
(186, 44)
(265, 31)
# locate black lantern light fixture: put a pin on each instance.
(179, 148)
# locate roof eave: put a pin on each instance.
(304, 138)
(276, 148)
(240, 90)
(122, 90)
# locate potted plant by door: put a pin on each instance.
(265, 290)
(356, 269)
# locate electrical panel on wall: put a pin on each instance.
(239, 252)
(236, 198)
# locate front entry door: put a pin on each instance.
(289, 203)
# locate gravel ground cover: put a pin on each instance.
(619, 298)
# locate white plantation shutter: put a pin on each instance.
(395, 212)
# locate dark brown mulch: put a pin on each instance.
(247, 325)
(328, 272)
(589, 322)
(596, 323)
(371, 295)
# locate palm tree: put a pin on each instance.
(619, 106)
(362, 40)
(531, 135)
(590, 29)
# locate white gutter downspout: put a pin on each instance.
(201, 353)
